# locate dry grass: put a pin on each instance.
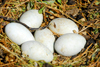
(89, 26)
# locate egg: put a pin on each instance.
(18, 33)
(62, 26)
(32, 18)
(70, 44)
(36, 51)
(46, 37)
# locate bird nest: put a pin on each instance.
(85, 13)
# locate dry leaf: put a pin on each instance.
(72, 12)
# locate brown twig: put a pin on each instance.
(84, 52)
(31, 29)
(7, 64)
(91, 4)
(11, 52)
(3, 2)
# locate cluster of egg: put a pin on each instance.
(41, 45)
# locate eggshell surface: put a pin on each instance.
(37, 51)
(62, 26)
(70, 44)
(18, 33)
(46, 37)
(32, 18)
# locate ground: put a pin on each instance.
(85, 13)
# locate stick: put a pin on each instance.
(10, 52)
(32, 29)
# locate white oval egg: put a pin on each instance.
(70, 44)
(32, 18)
(18, 33)
(62, 26)
(37, 51)
(46, 37)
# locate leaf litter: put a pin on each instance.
(85, 13)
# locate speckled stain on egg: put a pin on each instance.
(18, 33)
(32, 18)
(46, 37)
(62, 26)
(37, 51)
(70, 44)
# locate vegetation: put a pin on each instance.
(85, 13)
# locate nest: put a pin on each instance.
(85, 13)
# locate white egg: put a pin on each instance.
(46, 37)
(32, 18)
(37, 51)
(70, 44)
(18, 33)
(62, 26)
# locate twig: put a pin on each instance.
(94, 7)
(3, 2)
(85, 28)
(91, 3)
(95, 63)
(32, 29)
(10, 19)
(88, 26)
(60, 11)
(11, 52)
(35, 4)
(56, 15)
(84, 52)
(21, 4)
(7, 64)
(73, 19)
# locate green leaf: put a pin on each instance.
(41, 10)
(97, 3)
(59, 1)
(39, 0)
(93, 57)
(70, 66)
(96, 31)
(48, 2)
